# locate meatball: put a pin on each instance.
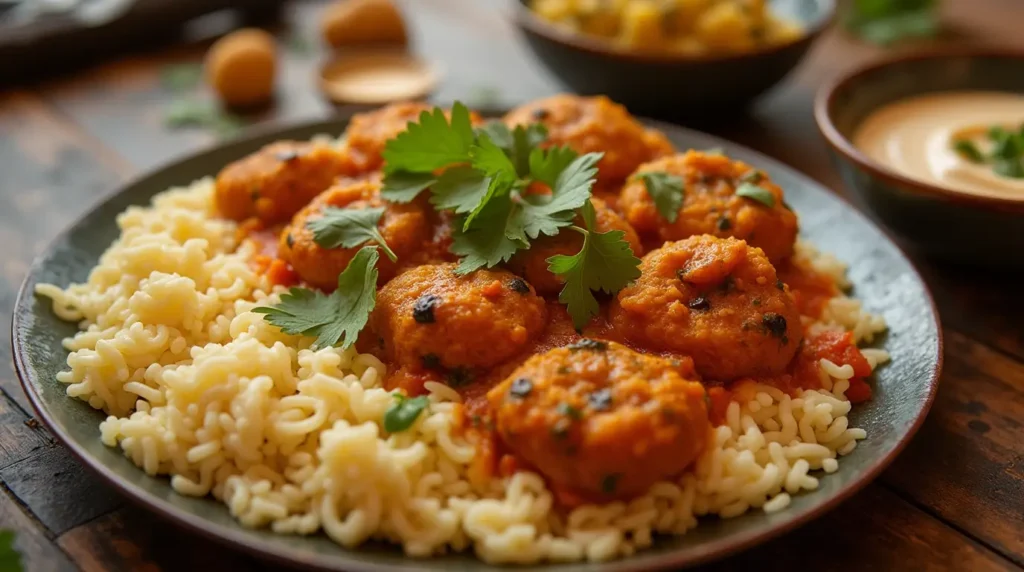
(430, 317)
(716, 300)
(367, 133)
(595, 124)
(711, 205)
(532, 264)
(602, 419)
(405, 228)
(278, 180)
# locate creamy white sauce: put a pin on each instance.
(915, 137)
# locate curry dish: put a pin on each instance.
(708, 306)
(548, 337)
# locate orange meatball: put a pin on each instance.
(716, 300)
(595, 124)
(278, 180)
(601, 419)
(405, 228)
(532, 264)
(430, 317)
(711, 206)
(367, 133)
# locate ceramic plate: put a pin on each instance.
(883, 278)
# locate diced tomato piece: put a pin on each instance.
(859, 391)
(280, 272)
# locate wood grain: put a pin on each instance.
(875, 530)
(50, 171)
(131, 539)
(58, 491)
(38, 553)
(967, 464)
(20, 436)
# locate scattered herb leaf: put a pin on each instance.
(179, 78)
(331, 318)
(404, 186)
(756, 193)
(968, 150)
(605, 262)
(431, 143)
(666, 190)
(886, 22)
(205, 115)
(348, 228)
(401, 414)
(10, 558)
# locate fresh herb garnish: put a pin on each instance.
(1012, 168)
(886, 22)
(507, 220)
(430, 144)
(605, 263)
(489, 176)
(331, 318)
(666, 190)
(756, 193)
(968, 150)
(610, 482)
(205, 115)
(569, 411)
(401, 414)
(10, 558)
(181, 77)
(348, 228)
(1006, 155)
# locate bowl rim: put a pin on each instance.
(530, 22)
(826, 96)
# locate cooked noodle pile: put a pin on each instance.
(199, 388)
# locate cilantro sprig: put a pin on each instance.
(604, 263)
(886, 22)
(331, 318)
(348, 228)
(666, 190)
(10, 558)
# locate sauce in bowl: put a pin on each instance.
(952, 139)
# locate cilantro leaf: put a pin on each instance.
(460, 189)
(605, 262)
(885, 22)
(547, 164)
(487, 242)
(401, 414)
(10, 558)
(432, 143)
(489, 158)
(756, 193)
(517, 143)
(338, 316)
(404, 186)
(546, 214)
(666, 190)
(348, 228)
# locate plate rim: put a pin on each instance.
(241, 540)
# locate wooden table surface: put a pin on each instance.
(953, 500)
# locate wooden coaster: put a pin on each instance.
(374, 77)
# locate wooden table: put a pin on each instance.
(953, 500)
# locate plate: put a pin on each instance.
(883, 279)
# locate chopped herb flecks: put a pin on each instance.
(458, 377)
(570, 411)
(700, 304)
(423, 308)
(519, 285)
(610, 482)
(588, 344)
(774, 324)
(521, 387)
(600, 400)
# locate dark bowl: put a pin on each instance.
(671, 85)
(931, 220)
